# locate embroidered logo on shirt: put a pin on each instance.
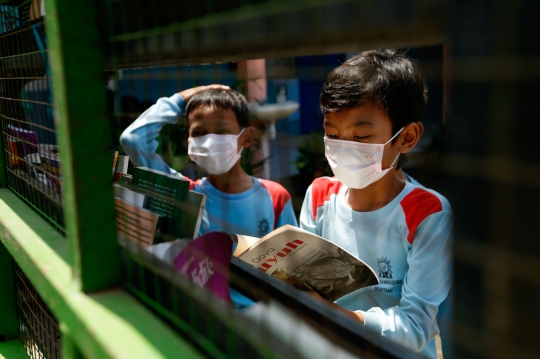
(264, 227)
(385, 268)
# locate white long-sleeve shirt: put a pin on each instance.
(407, 242)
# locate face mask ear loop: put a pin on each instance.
(397, 133)
(392, 165)
(241, 147)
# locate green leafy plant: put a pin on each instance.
(311, 160)
(248, 161)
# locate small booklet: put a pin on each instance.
(306, 261)
(167, 193)
(205, 260)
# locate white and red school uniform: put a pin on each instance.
(407, 242)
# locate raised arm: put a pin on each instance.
(139, 139)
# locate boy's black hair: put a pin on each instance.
(385, 78)
(224, 99)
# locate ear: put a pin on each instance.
(409, 136)
(246, 139)
(421, 125)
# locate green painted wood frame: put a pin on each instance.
(83, 136)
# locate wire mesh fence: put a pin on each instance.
(30, 148)
(279, 325)
(39, 331)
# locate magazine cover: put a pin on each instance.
(205, 260)
(309, 262)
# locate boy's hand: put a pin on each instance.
(354, 315)
(187, 94)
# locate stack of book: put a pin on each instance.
(154, 206)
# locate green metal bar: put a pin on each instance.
(9, 327)
(109, 324)
(12, 349)
(69, 348)
(3, 181)
(3, 158)
(83, 136)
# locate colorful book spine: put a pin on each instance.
(114, 160)
(14, 148)
(51, 166)
(29, 139)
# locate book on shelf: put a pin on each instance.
(306, 261)
(135, 223)
(15, 150)
(26, 144)
(132, 197)
(167, 195)
(50, 162)
(114, 155)
(123, 179)
(28, 139)
(122, 164)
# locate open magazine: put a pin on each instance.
(302, 259)
(306, 261)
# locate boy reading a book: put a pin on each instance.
(218, 125)
(372, 104)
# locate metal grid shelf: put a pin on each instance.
(26, 116)
(38, 327)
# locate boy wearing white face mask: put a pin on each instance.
(218, 122)
(372, 105)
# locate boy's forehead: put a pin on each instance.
(212, 115)
(365, 115)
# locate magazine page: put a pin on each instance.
(135, 223)
(309, 262)
(243, 243)
(205, 260)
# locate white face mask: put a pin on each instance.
(356, 164)
(216, 154)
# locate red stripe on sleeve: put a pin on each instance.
(279, 195)
(417, 205)
(192, 183)
(321, 190)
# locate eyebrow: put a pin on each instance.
(327, 123)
